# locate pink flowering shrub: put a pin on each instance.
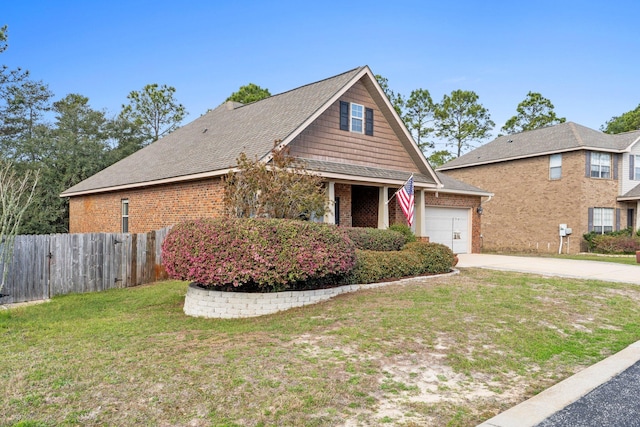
(257, 254)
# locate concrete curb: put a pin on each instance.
(556, 398)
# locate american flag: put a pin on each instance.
(406, 201)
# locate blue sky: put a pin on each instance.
(582, 55)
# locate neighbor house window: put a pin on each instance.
(602, 220)
(356, 118)
(635, 167)
(600, 165)
(125, 215)
(555, 166)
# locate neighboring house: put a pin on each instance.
(343, 127)
(563, 174)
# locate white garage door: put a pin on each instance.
(449, 226)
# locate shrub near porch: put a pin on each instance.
(257, 254)
(250, 255)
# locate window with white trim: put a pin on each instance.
(555, 166)
(636, 167)
(600, 165)
(357, 118)
(125, 215)
(602, 220)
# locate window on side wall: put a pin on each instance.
(555, 166)
(600, 165)
(602, 220)
(125, 215)
(635, 165)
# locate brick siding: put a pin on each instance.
(527, 208)
(343, 191)
(153, 208)
(150, 208)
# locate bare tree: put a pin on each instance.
(16, 193)
(281, 188)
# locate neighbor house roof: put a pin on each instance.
(548, 140)
(210, 145)
(633, 194)
(455, 186)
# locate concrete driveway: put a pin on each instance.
(605, 394)
(593, 270)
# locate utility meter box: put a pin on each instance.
(564, 230)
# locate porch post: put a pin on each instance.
(638, 215)
(383, 208)
(419, 214)
(330, 214)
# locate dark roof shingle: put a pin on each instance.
(553, 139)
(214, 141)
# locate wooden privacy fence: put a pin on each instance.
(56, 264)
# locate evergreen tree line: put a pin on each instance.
(67, 140)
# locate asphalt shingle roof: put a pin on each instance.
(634, 193)
(567, 136)
(215, 140)
(455, 185)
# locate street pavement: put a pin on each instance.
(606, 394)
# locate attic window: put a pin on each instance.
(356, 118)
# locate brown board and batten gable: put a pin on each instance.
(326, 140)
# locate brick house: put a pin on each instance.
(564, 174)
(343, 127)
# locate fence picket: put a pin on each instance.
(56, 264)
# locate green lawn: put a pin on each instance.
(450, 351)
(631, 260)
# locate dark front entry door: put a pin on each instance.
(364, 206)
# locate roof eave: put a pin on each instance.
(385, 181)
(628, 199)
(528, 156)
(464, 192)
(193, 177)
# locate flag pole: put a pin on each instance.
(401, 187)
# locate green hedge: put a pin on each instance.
(414, 259)
(373, 239)
(616, 242)
(405, 230)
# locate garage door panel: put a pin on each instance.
(449, 226)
